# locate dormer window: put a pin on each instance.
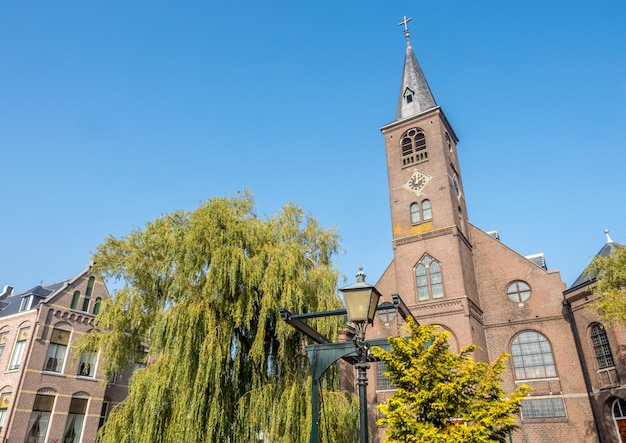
(26, 303)
(408, 95)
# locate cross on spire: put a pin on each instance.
(405, 23)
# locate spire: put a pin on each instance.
(415, 96)
(608, 238)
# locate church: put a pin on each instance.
(453, 274)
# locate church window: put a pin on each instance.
(415, 213)
(532, 356)
(413, 147)
(619, 415)
(429, 279)
(408, 95)
(543, 407)
(601, 346)
(518, 291)
(383, 383)
(426, 211)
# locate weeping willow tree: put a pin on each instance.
(202, 289)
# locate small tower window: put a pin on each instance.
(408, 95)
(426, 211)
(413, 147)
(415, 213)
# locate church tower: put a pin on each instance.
(433, 268)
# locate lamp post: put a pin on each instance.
(361, 300)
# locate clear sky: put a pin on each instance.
(114, 112)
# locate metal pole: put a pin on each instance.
(362, 367)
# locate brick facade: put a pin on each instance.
(50, 380)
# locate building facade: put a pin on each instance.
(455, 275)
(48, 393)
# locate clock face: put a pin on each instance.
(417, 181)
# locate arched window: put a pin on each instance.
(619, 415)
(75, 418)
(40, 416)
(96, 306)
(415, 213)
(429, 279)
(88, 293)
(413, 147)
(428, 214)
(532, 356)
(75, 300)
(601, 346)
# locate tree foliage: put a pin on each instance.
(202, 289)
(442, 396)
(610, 288)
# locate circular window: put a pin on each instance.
(518, 291)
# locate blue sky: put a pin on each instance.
(112, 113)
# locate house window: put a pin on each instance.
(543, 407)
(18, 349)
(428, 214)
(413, 147)
(382, 381)
(415, 213)
(104, 413)
(96, 306)
(601, 346)
(3, 341)
(88, 293)
(75, 300)
(518, 291)
(5, 399)
(57, 350)
(75, 418)
(26, 303)
(429, 279)
(532, 356)
(39, 419)
(87, 365)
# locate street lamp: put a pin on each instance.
(361, 300)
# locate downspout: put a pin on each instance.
(583, 366)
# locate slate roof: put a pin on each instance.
(10, 305)
(585, 278)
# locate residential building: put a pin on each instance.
(48, 393)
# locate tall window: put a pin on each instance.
(429, 279)
(601, 346)
(415, 213)
(87, 365)
(413, 147)
(382, 381)
(104, 413)
(39, 419)
(5, 399)
(532, 356)
(619, 415)
(18, 349)
(426, 211)
(88, 293)
(3, 341)
(75, 299)
(57, 350)
(75, 419)
(96, 306)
